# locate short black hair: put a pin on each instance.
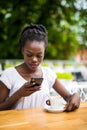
(33, 32)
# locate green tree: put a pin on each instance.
(62, 18)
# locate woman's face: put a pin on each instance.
(33, 52)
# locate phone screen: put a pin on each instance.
(36, 81)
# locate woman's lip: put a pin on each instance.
(34, 66)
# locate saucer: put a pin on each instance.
(54, 110)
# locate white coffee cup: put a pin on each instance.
(56, 101)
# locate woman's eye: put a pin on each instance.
(29, 55)
(39, 56)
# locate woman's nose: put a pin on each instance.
(34, 59)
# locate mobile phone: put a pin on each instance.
(36, 81)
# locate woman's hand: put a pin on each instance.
(27, 90)
(73, 102)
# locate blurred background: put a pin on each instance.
(66, 22)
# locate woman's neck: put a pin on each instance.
(26, 73)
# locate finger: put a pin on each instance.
(75, 106)
(27, 85)
(32, 89)
(36, 88)
(69, 107)
(30, 92)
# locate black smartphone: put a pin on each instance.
(36, 81)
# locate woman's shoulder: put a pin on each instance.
(48, 70)
(49, 75)
(8, 70)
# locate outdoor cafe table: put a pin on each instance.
(39, 119)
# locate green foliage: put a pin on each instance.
(66, 24)
(44, 64)
(64, 75)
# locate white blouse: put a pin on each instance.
(13, 80)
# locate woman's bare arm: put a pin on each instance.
(73, 100)
(8, 103)
(61, 90)
(5, 103)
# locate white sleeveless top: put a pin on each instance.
(13, 80)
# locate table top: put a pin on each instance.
(39, 119)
